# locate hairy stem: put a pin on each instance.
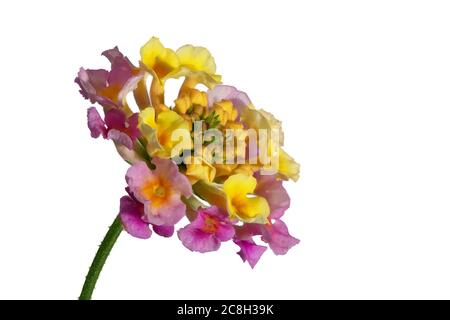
(100, 258)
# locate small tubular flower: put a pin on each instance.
(199, 64)
(109, 88)
(159, 190)
(271, 188)
(160, 130)
(237, 189)
(161, 61)
(116, 126)
(132, 216)
(207, 231)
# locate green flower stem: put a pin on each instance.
(100, 258)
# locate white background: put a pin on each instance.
(362, 88)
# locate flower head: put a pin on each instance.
(203, 157)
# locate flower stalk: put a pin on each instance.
(100, 258)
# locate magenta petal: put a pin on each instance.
(197, 240)
(273, 191)
(214, 211)
(278, 238)
(248, 230)
(122, 79)
(164, 231)
(224, 229)
(133, 130)
(250, 251)
(239, 99)
(95, 123)
(121, 67)
(115, 119)
(225, 232)
(89, 81)
(113, 55)
(121, 129)
(92, 82)
(120, 137)
(131, 216)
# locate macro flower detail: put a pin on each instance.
(249, 209)
(250, 251)
(160, 60)
(159, 130)
(207, 231)
(278, 237)
(132, 216)
(116, 126)
(271, 189)
(109, 88)
(159, 190)
(210, 158)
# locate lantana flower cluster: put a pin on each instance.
(172, 175)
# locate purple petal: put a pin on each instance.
(109, 88)
(250, 251)
(168, 214)
(120, 129)
(224, 229)
(239, 99)
(248, 230)
(92, 82)
(131, 216)
(120, 137)
(197, 240)
(121, 68)
(89, 80)
(164, 231)
(214, 211)
(225, 232)
(133, 130)
(278, 238)
(115, 119)
(273, 191)
(95, 123)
